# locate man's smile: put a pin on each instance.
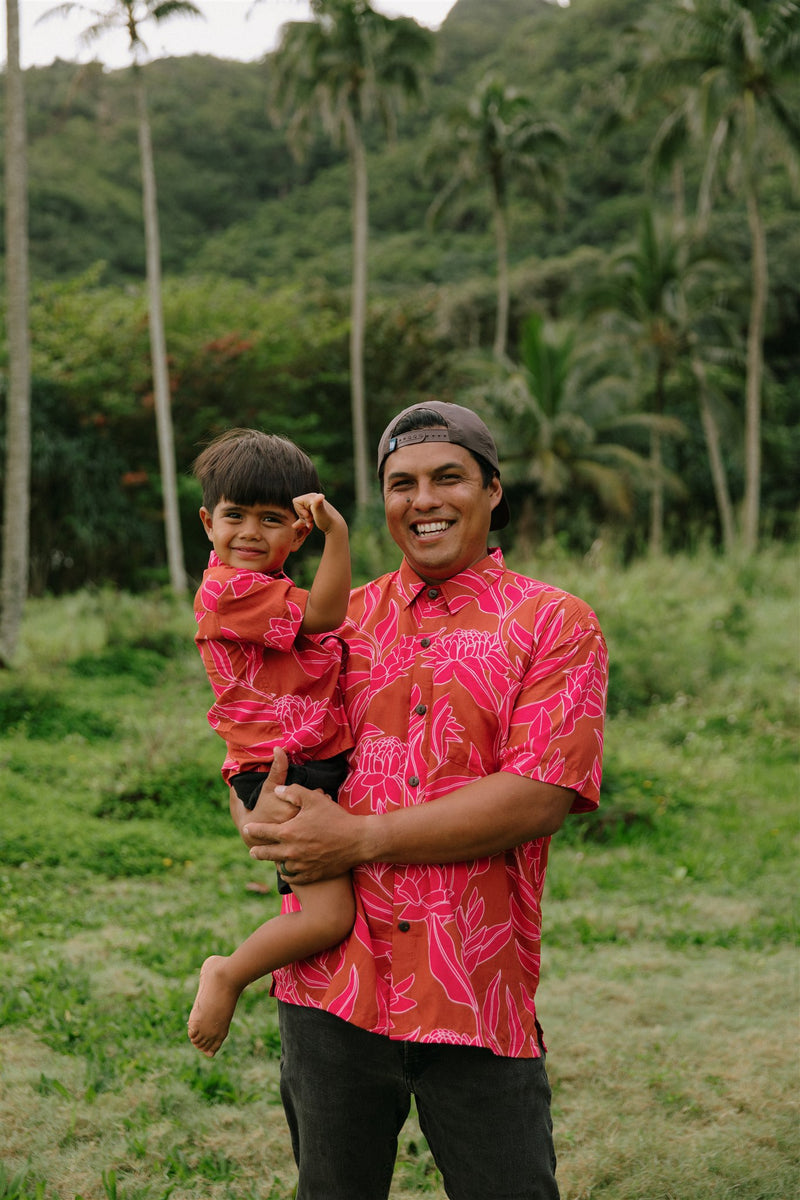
(429, 528)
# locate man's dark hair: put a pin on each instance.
(248, 467)
(426, 418)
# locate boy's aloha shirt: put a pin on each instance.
(273, 685)
(488, 671)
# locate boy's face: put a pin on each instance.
(257, 537)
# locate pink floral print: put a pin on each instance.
(486, 672)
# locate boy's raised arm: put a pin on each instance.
(329, 594)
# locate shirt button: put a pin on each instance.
(413, 781)
(433, 593)
(404, 926)
(421, 709)
(425, 643)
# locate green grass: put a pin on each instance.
(669, 991)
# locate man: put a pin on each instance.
(476, 699)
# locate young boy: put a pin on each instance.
(274, 684)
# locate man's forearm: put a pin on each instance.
(482, 818)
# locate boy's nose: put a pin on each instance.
(252, 527)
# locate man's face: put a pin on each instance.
(437, 508)
(258, 537)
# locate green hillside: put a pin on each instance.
(257, 260)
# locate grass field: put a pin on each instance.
(669, 993)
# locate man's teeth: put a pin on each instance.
(432, 527)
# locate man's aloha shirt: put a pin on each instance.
(273, 685)
(488, 671)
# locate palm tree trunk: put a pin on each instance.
(678, 199)
(755, 371)
(709, 171)
(656, 495)
(16, 531)
(715, 460)
(158, 349)
(657, 470)
(358, 313)
(501, 241)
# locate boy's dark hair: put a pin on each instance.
(249, 467)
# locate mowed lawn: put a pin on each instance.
(669, 992)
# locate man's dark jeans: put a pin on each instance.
(347, 1093)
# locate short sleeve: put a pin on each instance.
(556, 728)
(247, 606)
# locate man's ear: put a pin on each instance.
(207, 519)
(495, 492)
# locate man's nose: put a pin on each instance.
(426, 495)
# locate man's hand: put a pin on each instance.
(319, 842)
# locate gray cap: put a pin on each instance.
(461, 427)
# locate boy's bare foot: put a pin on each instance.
(213, 1007)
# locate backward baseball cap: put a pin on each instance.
(461, 427)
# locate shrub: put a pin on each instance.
(185, 793)
(44, 714)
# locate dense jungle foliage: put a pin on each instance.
(257, 261)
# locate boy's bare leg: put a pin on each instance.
(326, 918)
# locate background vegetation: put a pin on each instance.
(257, 261)
(669, 992)
(668, 995)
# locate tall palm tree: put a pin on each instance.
(557, 419)
(342, 67)
(16, 497)
(648, 292)
(130, 15)
(495, 138)
(731, 64)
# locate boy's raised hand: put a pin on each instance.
(313, 509)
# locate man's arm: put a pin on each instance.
(486, 817)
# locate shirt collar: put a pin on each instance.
(459, 589)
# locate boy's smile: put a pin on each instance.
(255, 537)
